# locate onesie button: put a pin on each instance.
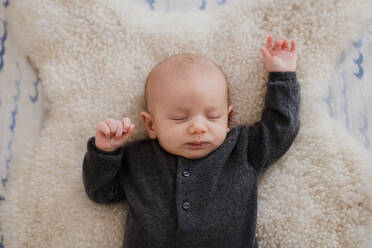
(186, 205)
(186, 173)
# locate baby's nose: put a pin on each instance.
(198, 128)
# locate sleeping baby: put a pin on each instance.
(193, 181)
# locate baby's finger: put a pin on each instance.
(119, 129)
(126, 124)
(130, 130)
(126, 136)
(269, 44)
(265, 53)
(285, 45)
(111, 124)
(102, 127)
(278, 44)
(293, 48)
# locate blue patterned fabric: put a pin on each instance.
(21, 107)
(349, 96)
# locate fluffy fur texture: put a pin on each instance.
(93, 58)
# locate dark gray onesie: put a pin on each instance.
(198, 203)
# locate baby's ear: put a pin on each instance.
(229, 111)
(149, 124)
(230, 108)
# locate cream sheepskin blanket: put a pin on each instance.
(93, 58)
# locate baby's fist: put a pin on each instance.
(112, 134)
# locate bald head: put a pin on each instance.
(179, 66)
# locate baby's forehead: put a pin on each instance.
(179, 67)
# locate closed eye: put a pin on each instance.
(181, 119)
(178, 119)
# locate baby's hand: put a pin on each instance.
(112, 134)
(279, 58)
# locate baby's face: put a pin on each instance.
(186, 109)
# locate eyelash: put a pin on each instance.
(214, 117)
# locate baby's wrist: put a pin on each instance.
(278, 75)
(103, 150)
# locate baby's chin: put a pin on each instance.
(196, 154)
(193, 158)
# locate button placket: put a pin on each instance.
(185, 174)
(186, 204)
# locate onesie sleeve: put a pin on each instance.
(101, 174)
(270, 138)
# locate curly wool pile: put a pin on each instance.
(93, 58)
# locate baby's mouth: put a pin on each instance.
(197, 144)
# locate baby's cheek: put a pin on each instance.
(221, 131)
(220, 126)
(171, 133)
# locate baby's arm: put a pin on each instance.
(270, 138)
(102, 162)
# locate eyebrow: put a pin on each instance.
(180, 108)
(211, 108)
